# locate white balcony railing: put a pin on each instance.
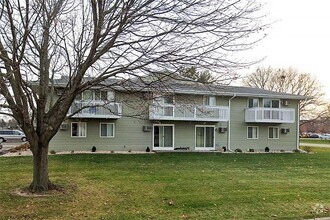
(95, 109)
(270, 115)
(188, 112)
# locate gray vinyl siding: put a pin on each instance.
(129, 134)
(184, 134)
(239, 130)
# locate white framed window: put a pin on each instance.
(252, 132)
(96, 95)
(271, 103)
(209, 100)
(253, 102)
(164, 99)
(107, 130)
(273, 132)
(204, 137)
(103, 95)
(78, 129)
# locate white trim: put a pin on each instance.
(247, 132)
(113, 130)
(153, 137)
(298, 127)
(278, 133)
(74, 122)
(205, 148)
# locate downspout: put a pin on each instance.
(298, 128)
(229, 122)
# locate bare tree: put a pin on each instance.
(291, 81)
(42, 40)
(205, 76)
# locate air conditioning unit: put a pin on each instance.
(286, 102)
(64, 126)
(285, 130)
(222, 129)
(147, 128)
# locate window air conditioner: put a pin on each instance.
(285, 130)
(222, 129)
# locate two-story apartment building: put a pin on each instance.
(180, 115)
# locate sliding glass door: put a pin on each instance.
(204, 137)
(163, 137)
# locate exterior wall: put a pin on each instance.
(184, 134)
(129, 134)
(239, 130)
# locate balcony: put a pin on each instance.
(188, 112)
(95, 109)
(270, 115)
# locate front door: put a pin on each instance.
(163, 137)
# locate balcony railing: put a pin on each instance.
(95, 109)
(270, 115)
(188, 113)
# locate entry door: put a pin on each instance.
(163, 137)
(204, 138)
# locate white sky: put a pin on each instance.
(300, 38)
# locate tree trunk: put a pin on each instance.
(41, 182)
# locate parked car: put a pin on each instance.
(325, 136)
(14, 135)
(314, 136)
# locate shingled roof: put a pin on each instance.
(184, 86)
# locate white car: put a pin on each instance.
(324, 136)
(14, 135)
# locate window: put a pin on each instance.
(107, 130)
(204, 137)
(165, 99)
(209, 100)
(96, 95)
(252, 132)
(271, 103)
(253, 103)
(163, 137)
(104, 95)
(273, 132)
(78, 129)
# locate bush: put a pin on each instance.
(267, 149)
(238, 150)
(223, 149)
(52, 152)
(251, 150)
(308, 149)
(148, 149)
(93, 149)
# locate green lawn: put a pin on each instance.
(172, 186)
(314, 141)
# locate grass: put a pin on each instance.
(173, 186)
(314, 141)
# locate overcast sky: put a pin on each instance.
(299, 38)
